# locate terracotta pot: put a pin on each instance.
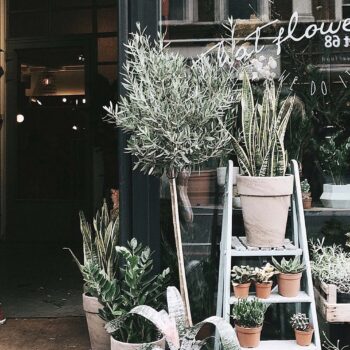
(118, 345)
(248, 337)
(289, 284)
(265, 202)
(202, 187)
(307, 203)
(241, 290)
(304, 338)
(263, 290)
(185, 207)
(99, 338)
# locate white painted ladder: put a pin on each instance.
(232, 247)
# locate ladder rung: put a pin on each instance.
(275, 298)
(281, 345)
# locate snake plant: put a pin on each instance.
(260, 146)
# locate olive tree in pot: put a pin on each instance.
(174, 325)
(249, 318)
(136, 285)
(264, 189)
(177, 115)
(335, 161)
(99, 257)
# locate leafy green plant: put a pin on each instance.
(98, 247)
(136, 285)
(260, 146)
(305, 186)
(335, 157)
(249, 313)
(264, 274)
(175, 327)
(299, 322)
(290, 266)
(241, 274)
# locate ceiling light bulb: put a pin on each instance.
(20, 118)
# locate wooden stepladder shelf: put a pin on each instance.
(233, 247)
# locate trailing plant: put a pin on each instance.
(175, 327)
(98, 248)
(290, 266)
(249, 313)
(177, 114)
(331, 265)
(335, 157)
(260, 144)
(241, 274)
(300, 322)
(137, 285)
(264, 274)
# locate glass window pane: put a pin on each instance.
(28, 24)
(206, 10)
(243, 9)
(282, 10)
(323, 9)
(74, 21)
(107, 49)
(173, 9)
(22, 5)
(107, 20)
(346, 2)
(106, 2)
(70, 3)
(108, 71)
(346, 12)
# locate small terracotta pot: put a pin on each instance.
(307, 203)
(263, 290)
(248, 337)
(118, 345)
(304, 338)
(289, 284)
(241, 290)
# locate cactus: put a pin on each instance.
(289, 266)
(299, 322)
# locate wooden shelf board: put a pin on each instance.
(282, 345)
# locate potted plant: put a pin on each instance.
(306, 194)
(264, 187)
(136, 285)
(289, 276)
(335, 161)
(263, 280)
(99, 256)
(241, 279)
(177, 115)
(249, 319)
(174, 325)
(302, 329)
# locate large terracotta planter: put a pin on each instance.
(202, 187)
(118, 345)
(248, 337)
(99, 338)
(289, 284)
(336, 196)
(263, 290)
(241, 291)
(265, 203)
(304, 338)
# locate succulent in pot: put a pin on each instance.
(263, 280)
(302, 328)
(249, 318)
(264, 187)
(241, 277)
(289, 276)
(306, 194)
(335, 162)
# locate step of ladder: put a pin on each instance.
(241, 248)
(281, 345)
(275, 298)
(232, 246)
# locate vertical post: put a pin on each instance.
(338, 6)
(264, 10)
(304, 9)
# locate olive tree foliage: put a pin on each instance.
(177, 112)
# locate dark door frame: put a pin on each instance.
(139, 194)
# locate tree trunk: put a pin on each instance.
(178, 241)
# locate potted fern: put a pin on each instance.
(264, 187)
(241, 277)
(335, 161)
(302, 328)
(99, 257)
(177, 114)
(289, 276)
(249, 318)
(263, 280)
